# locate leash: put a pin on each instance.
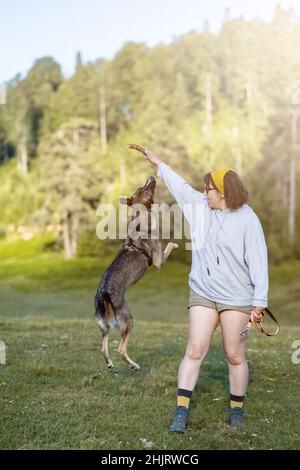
(258, 324)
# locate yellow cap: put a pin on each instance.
(218, 177)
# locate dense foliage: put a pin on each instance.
(203, 101)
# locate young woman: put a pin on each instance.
(228, 279)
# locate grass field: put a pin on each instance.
(47, 400)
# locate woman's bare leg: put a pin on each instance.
(232, 322)
(202, 324)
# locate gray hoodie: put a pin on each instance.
(229, 252)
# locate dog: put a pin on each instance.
(130, 264)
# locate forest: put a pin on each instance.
(203, 101)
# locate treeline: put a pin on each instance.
(203, 101)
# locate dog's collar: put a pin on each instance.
(129, 243)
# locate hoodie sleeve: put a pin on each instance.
(256, 258)
(183, 193)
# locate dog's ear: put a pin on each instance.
(125, 200)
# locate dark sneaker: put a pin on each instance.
(180, 419)
(236, 417)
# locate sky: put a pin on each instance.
(30, 29)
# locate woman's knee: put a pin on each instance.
(196, 352)
(235, 358)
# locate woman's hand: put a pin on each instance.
(258, 312)
(150, 156)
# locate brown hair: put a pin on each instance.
(235, 192)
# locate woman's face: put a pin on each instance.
(213, 196)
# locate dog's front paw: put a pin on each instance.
(175, 245)
(135, 367)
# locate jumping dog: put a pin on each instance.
(130, 264)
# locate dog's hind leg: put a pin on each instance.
(122, 350)
(109, 363)
(105, 332)
(126, 325)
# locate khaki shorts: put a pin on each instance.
(195, 299)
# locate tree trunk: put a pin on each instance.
(237, 149)
(5, 153)
(2, 93)
(102, 109)
(249, 93)
(23, 158)
(74, 233)
(208, 104)
(292, 198)
(238, 159)
(122, 173)
(66, 236)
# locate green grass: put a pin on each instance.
(16, 249)
(48, 401)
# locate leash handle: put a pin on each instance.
(258, 324)
(274, 320)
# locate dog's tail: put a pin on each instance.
(103, 306)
